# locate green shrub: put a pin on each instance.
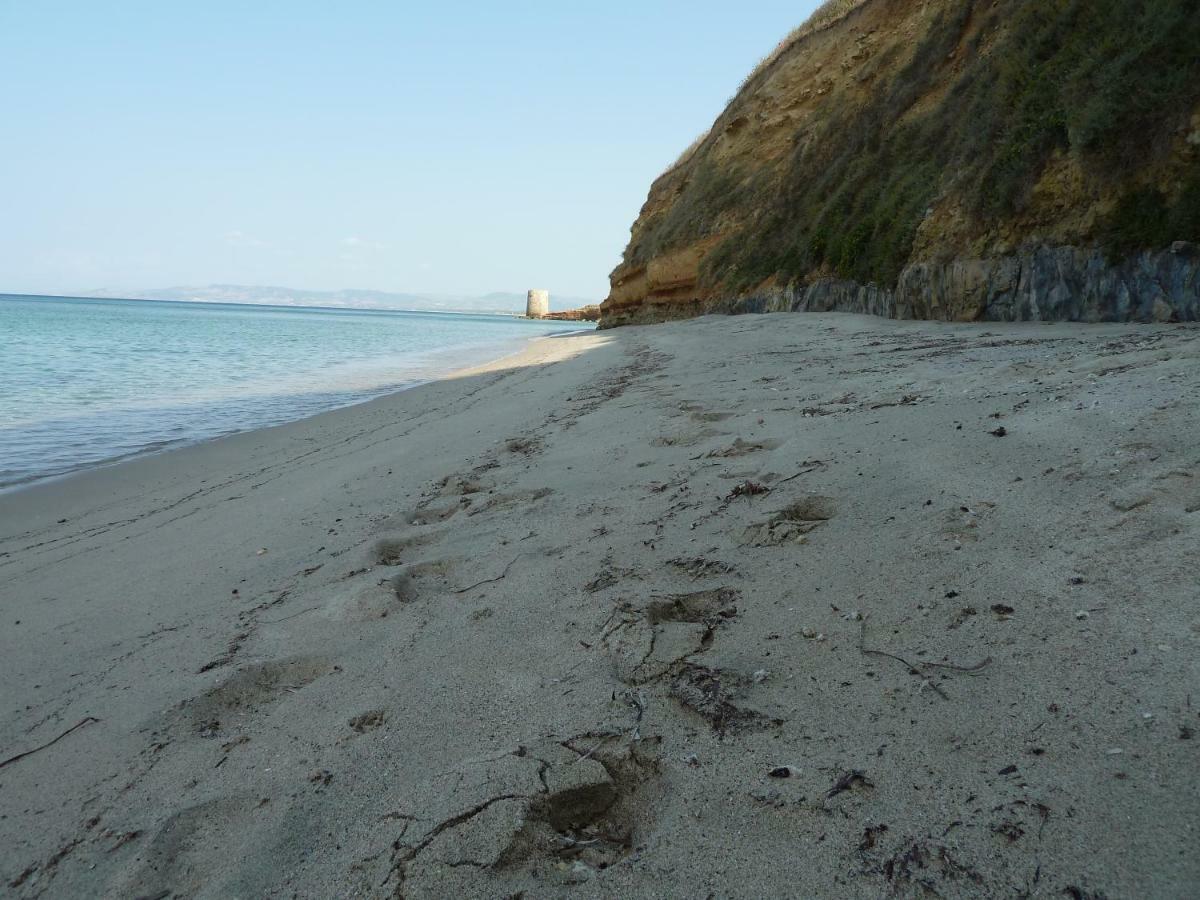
(1144, 218)
(1106, 81)
(1184, 217)
(1139, 220)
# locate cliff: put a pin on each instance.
(590, 313)
(950, 159)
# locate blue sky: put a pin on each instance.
(444, 147)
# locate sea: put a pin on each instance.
(87, 382)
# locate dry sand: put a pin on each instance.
(545, 629)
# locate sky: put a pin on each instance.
(436, 147)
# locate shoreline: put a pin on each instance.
(562, 622)
(276, 306)
(160, 466)
(159, 447)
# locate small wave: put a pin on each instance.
(96, 383)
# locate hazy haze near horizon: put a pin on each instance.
(462, 149)
(278, 295)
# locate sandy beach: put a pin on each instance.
(786, 605)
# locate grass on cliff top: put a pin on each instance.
(825, 14)
(1104, 80)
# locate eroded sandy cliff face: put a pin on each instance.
(1014, 159)
(589, 313)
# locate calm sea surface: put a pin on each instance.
(83, 382)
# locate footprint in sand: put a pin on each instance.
(517, 499)
(687, 438)
(700, 567)
(698, 607)
(960, 524)
(375, 600)
(713, 694)
(249, 690)
(592, 808)
(367, 594)
(368, 721)
(431, 571)
(792, 524)
(459, 485)
(432, 513)
(375, 594)
(647, 644)
(176, 860)
(704, 416)
(396, 549)
(526, 445)
(744, 448)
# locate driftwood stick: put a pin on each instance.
(862, 646)
(797, 475)
(912, 670)
(603, 741)
(966, 670)
(503, 574)
(12, 759)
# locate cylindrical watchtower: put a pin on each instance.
(537, 304)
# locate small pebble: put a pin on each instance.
(784, 772)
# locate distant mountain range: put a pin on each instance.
(498, 302)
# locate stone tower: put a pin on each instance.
(538, 304)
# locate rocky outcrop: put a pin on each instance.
(589, 313)
(941, 159)
(1043, 283)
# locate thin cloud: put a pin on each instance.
(358, 243)
(238, 238)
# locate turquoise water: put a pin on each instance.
(83, 382)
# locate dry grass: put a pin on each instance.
(826, 14)
(689, 152)
(1104, 82)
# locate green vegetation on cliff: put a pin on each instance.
(1105, 83)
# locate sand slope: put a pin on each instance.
(549, 629)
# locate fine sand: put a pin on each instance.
(557, 626)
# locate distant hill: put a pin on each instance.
(497, 302)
